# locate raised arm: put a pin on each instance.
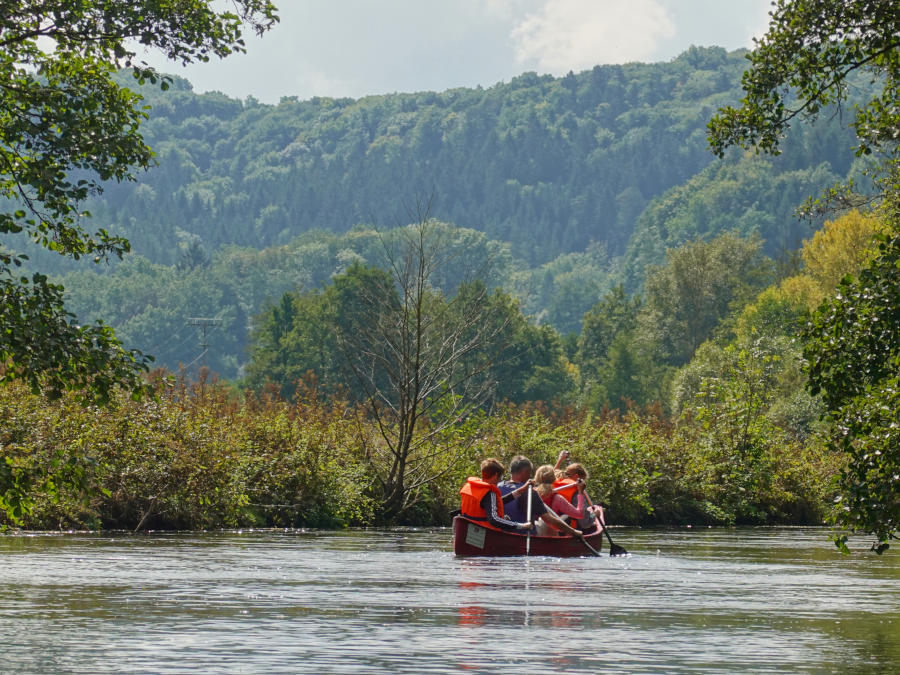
(562, 459)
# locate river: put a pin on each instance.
(685, 601)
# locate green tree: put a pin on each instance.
(523, 362)
(736, 462)
(529, 364)
(66, 127)
(804, 63)
(615, 313)
(628, 375)
(616, 367)
(841, 247)
(852, 346)
(699, 286)
(292, 338)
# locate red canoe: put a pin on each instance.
(471, 538)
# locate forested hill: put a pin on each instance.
(549, 165)
(572, 186)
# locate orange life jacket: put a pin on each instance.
(472, 493)
(568, 492)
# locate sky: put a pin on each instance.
(354, 48)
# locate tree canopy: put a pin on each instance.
(66, 127)
(804, 63)
(549, 165)
(853, 350)
(809, 57)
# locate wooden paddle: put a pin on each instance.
(530, 524)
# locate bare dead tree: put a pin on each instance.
(418, 357)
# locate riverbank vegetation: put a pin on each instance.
(804, 63)
(207, 456)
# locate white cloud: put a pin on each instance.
(565, 35)
(507, 9)
(759, 26)
(358, 47)
(307, 81)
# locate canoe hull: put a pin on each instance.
(471, 539)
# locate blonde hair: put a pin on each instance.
(543, 479)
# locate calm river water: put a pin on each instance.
(685, 601)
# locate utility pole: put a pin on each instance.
(205, 325)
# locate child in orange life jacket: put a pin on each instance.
(544, 479)
(574, 474)
(481, 499)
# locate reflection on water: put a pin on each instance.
(751, 600)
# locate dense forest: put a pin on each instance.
(550, 165)
(569, 186)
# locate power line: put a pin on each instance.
(168, 342)
(205, 324)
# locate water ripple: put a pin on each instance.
(710, 601)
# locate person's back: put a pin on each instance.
(513, 507)
(519, 472)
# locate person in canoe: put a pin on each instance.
(482, 501)
(567, 486)
(558, 502)
(520, 469)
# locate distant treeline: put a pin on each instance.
(569, 187)
(550, 165)
(270, 303)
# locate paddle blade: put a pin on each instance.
(615, 549)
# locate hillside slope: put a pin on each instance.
(550, 165)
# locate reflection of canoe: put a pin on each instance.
(471, 538)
